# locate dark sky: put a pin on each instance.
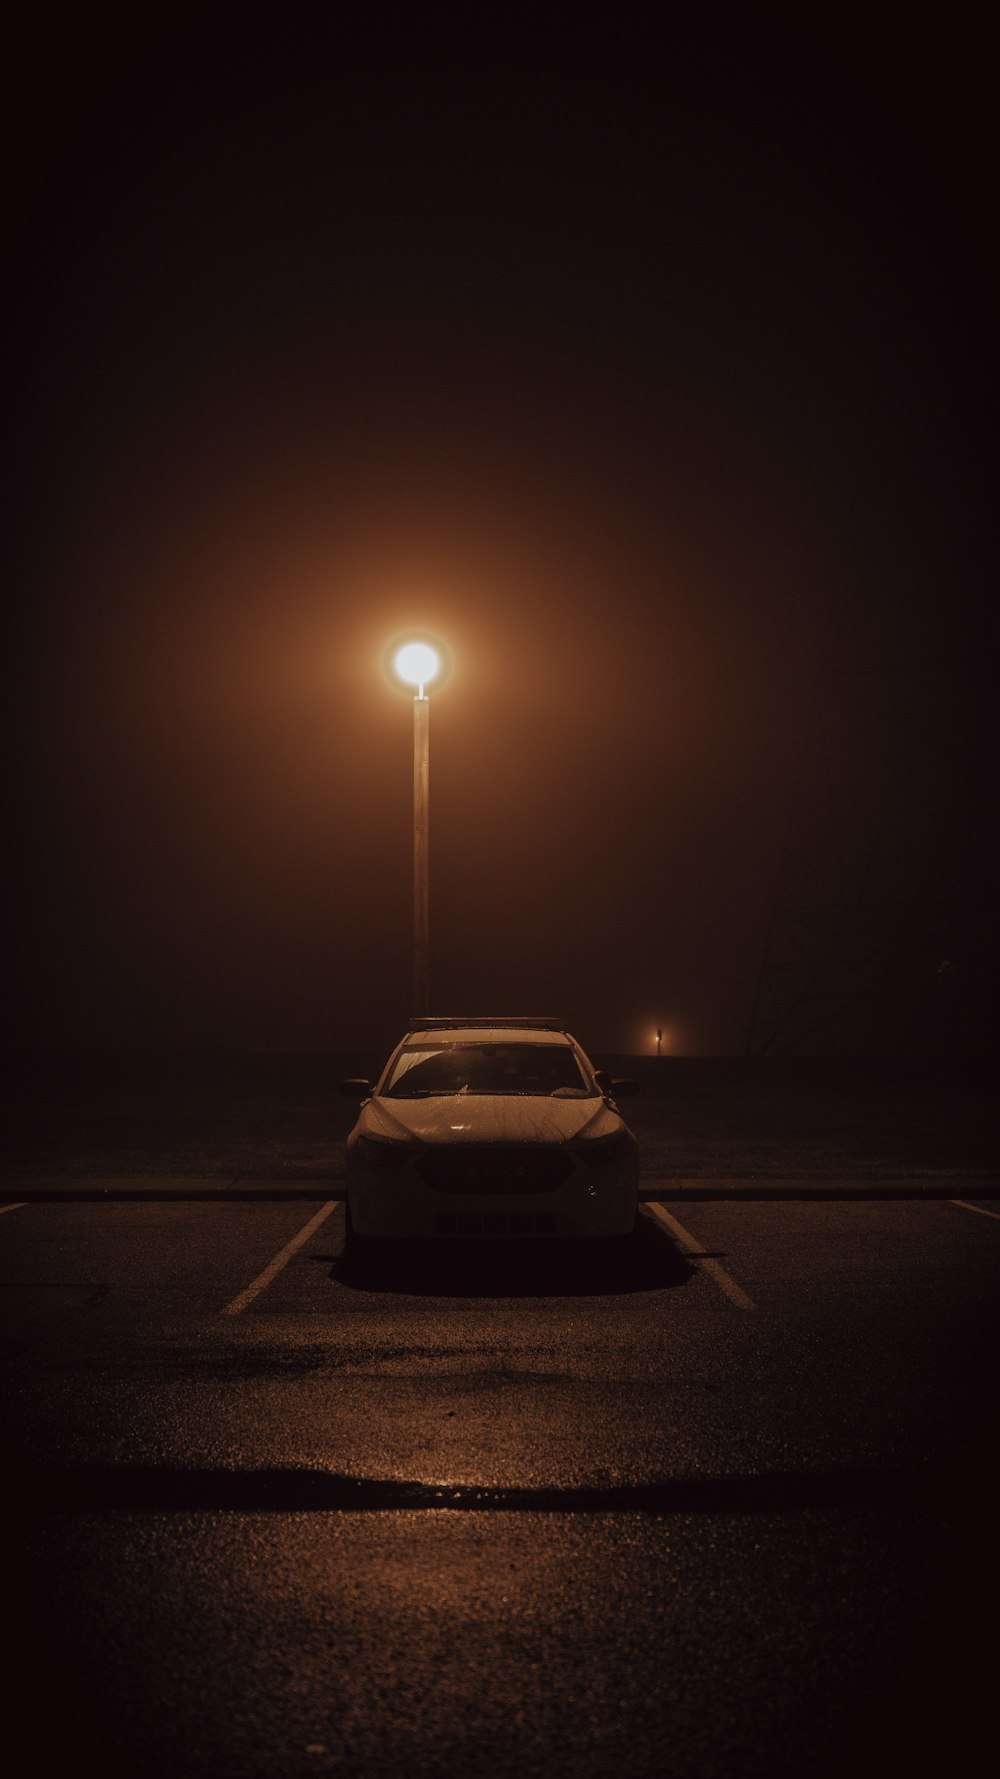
(653, 370)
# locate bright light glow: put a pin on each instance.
(417, 663)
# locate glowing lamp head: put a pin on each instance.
(417, 663)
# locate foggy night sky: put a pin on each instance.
(653, 371)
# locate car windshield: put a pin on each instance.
(431, 1069)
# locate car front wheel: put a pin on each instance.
(358, 1247)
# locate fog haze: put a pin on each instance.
(654, 373)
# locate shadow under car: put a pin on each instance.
(517, 1266)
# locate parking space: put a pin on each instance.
(782, 1253)
(269, 1257)
(230, 1453)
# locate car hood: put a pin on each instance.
(488, 1118)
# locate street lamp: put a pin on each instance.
(417, 663)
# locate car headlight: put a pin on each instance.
(382, 1152)
(605, 1151)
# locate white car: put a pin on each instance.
(489, 1127)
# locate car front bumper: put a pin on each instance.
(401, 1206)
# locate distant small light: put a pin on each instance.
(417, 663)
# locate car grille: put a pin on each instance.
(468, 1167)
(494, 1223)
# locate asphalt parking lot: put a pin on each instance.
(727, 1505)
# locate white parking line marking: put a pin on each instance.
(280, 1260)
(980, 1210)
(19, 1207)
(712, 1267)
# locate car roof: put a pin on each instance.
(536, 1021)
(487, 1031)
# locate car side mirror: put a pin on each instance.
(612, 1087)
(356, 1089)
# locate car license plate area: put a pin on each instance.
(466, 1168)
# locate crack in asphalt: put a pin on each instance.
(90, 1488)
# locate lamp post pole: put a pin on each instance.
(421, 852)
(416, 663)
